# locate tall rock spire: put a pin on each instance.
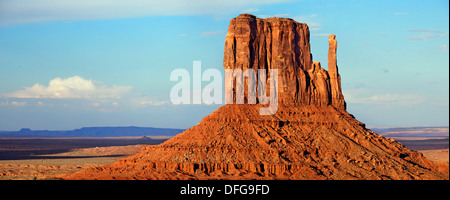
(337, 98)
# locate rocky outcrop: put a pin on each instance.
(311, 136)
(301, 142)
(283, 44)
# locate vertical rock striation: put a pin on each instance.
(283, 44)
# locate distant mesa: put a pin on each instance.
(311, 136)
(96, 132)
(25, 130)
(145, 138)
(431, 131)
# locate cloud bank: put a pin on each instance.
(79, 93)
(71, 88)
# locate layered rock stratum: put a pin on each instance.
(311, 136)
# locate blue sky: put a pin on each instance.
(69, 64)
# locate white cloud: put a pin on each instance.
(152, 103)
(313, 26)
(79, 93)
(352, 96)
(71, 88)
(427, 34)
(320, 35)
(95, 104)
(206, 34)
(250, 10)
(42, 104)
(18, 103)
(25, 11)
(4, 103)
(213, 33)
(147, 101)
(13, 103)
(425, 30)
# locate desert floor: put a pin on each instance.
(433, 148)
(48, 158)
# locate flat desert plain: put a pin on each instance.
(433, 148)
(47, 158)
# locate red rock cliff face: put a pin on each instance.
(283, 44)
(311, 136)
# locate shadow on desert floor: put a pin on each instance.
(28, 149)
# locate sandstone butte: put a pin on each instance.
(311, 136)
